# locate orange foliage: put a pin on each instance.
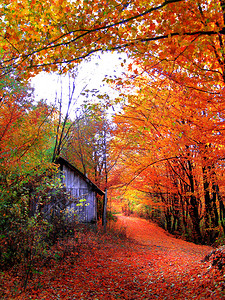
(39, 36)
(24, 131)
(169, 140)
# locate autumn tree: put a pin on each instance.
(87, 145)
(168, 33)
(178, 42)
(23, 125)
(63, 110)
(162, 138)
(26, 171)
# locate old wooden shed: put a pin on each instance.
(83, 192)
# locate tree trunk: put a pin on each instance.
(193, 208)
(104, 216)
(208, 208)
(215, 188)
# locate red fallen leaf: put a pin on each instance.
(156, 265)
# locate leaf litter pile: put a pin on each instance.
(150, 264)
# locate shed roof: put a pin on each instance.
(62, 162)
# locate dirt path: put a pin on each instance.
(176, 266)
(149, 234)
(153, 265)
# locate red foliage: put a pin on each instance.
(217, 258)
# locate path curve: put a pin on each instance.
(155, 238)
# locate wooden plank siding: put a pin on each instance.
(83, 201)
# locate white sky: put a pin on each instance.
(90, 76)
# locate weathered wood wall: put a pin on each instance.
(83, 197)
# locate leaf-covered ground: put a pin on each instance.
(153, 265)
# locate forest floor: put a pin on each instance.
(150, 264)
